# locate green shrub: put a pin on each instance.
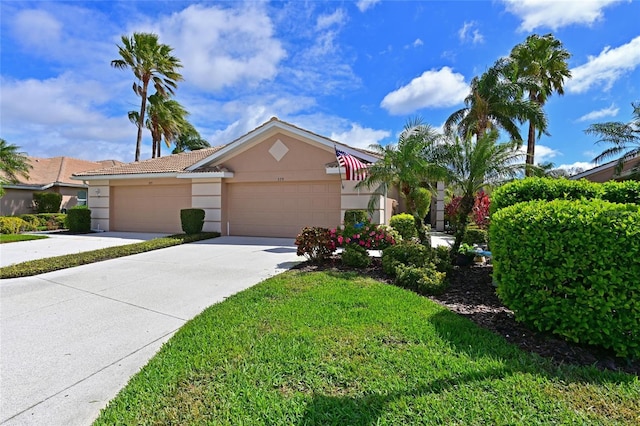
(356, 256)
(441, 258)
(405, 224)
(351, 217)
(476, 236)
(13, 225)
(32, 219)
(192, 220)
(52, 221)
(405, 253)
(367, 235)
(47, 202)
(548, 189)
(316, 244)
(424, 280)
(78, 219)
(622, 192)
(572, 268)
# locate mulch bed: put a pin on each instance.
(472, 294)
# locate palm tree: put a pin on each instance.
(495, 102)
(12, 164)
(475, 163)
(408, 165)
(625, 138)
(150, 61)
(166, 119)
(540, 66)
(189, 140)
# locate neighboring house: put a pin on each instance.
(605, 172)
(271, 182)
(49, 175)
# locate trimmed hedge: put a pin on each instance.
(572, 268)
(548, 189)
(192, 220)
(475, 236)
(14, 225)
(351, 217)
(40, 266)
(47, 202)
(78, 219)
(424, 280)
(405, 224)
(355, 256)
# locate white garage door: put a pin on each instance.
(281, 209)
(152, 208)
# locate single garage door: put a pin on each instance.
(281, 209)
(150, 208)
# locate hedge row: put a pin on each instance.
(40, 266)
(572, 268)
(531, 189)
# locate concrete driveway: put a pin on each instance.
(71, 339)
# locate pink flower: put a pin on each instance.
(362, 243)
(348, 240)
(340, 239)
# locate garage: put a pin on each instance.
(281, 209)
(149, 208)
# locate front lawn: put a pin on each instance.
(13, 238)
(318, 348)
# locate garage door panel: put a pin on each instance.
(149, 208)
(281, 209)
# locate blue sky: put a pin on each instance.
(354, 71)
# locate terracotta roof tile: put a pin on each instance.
(175, 163)
(46, 171)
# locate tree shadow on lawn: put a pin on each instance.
(476, 344)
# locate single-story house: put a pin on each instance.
(605, 172)
(271, 182)
(49, 175)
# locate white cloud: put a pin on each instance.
(543, 153)
(416, 43)
(556, 14)
(577, 167)
(433, 89)
(221, 47)
(612, 111)
(605, 68)
(360, 137)
(363, 5)
(336, 18)
(470, 34)
(36, 28)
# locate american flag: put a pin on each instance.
(355, 169)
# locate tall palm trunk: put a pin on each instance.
(531, 140)
(143, 107)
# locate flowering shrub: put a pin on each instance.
(367, 235)
(316, 244)
(480, 212)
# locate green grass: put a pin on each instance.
(14, 238)
(40, 266)
(329, 348)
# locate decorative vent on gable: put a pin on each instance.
(278, 150)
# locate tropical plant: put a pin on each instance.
(625, 138)
(495, 102)
(407, 165)
(189, 140)
(12, 164)
(473, 164)
(166, 119)
(151, 62)
(539, 65)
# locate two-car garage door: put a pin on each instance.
(149, 208)
(281, 209)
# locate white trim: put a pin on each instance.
(335, 170)
(127, 176)
(252, 135)
(205, 175)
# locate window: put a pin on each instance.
(82, 198)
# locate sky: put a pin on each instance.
(353, 71)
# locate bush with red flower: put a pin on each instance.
(367, 235)
(479, 214)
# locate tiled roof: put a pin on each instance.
(175, 163)
(58, 170)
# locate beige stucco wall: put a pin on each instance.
(353, 198)
(206, 194)
(607, 174)
(15, 202)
